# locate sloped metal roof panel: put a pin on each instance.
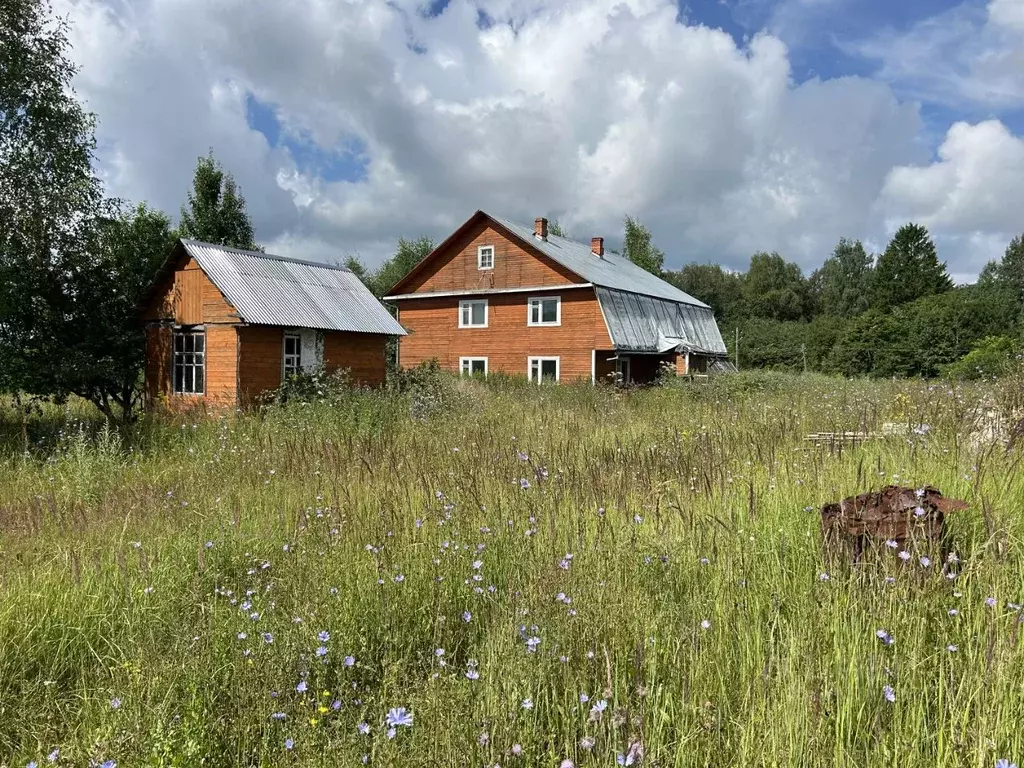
(274, 290)
(610, 271)
(640, 323)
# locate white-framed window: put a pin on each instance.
(543, 369)
(473, 313)
(189, 368)
(485, 257)
(544, 310)
(292, 360)
(473, 366)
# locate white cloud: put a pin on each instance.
(585, 110)
(970, 193)
(966, 57)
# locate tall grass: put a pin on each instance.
(655, 551)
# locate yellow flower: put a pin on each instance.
(323, 710)
(325, 694)
(312, 721)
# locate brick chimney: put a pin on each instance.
(540, 228)
(597, 246)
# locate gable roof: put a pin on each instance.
(275, 290)
(608, 271)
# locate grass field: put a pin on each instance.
(520, 576)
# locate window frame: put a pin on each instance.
(284, 354)
(468, 361)
(538, 301)
(623, 370)
(480, 256)
(193, 332)
(464, 303)
(540, 360)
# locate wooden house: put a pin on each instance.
(500, 296)
(224, 325)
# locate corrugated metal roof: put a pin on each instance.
(610, 271)
(274, 290)
(643, 323)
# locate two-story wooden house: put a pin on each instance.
(500, 296)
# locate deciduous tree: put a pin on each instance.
(215, 212)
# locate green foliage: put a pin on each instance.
(431, 390)
(555, 228)
(679, 505)
(908, 270)
(314, 386)
(1007, 274)
(842, 285)
(775, 289)
(720, 289)
(992, 356)
(216, 209)
(381, 280)
(638, 248)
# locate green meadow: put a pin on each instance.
(471, 574)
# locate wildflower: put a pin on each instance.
(1004, 763)
(919, 512)
(148, 591)
(567, 763)
(990, 602)
(587, 742)
(467, 616)
(363, 728)
(478, 564)
(336, 705)
(53, 756)
(108, 764)
(439, 652)
(891, 543)
(399, 716)
(32, 764)
(598, 709)
(584, 698)
(951, 648)
(278, 716)
(637, 519)
(705, 624)
(884, 636)
(268, 638)
(953, 612)
(472, 674)
(399, 578)
(209, 545)
(391, 733)
(890, 580)
(704, 561)
(349, 661)
(324, 636)
(904, 555)
(524, 483)
(531, 644)
(483, 739)
(115, 703)
(321, 651)
(301, 687)
(517, 749)
(889, 694)
(289, 743)
(823, 577)
(926, 562)
(527, 704)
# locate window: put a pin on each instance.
(292, 354)
(189, 362)
(546, 310)
(473, 314)
(485, 257)
(473, 366)
(543, 369)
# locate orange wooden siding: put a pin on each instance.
(221, 365)
(364, 354)
(508, 341)
(455, 268)
(260, 360)
(190, 298)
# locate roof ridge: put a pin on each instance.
(268, 256)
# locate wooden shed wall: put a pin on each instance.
(508, 341)
(364, 354)
(455, 268)
(188, 297)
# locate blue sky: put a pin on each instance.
(727, 126)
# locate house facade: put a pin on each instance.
(501, 296)
(225, 325)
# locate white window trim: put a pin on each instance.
(467, 302)
(541, 323)
(464, 360)
(480, 256)
(540, 360)
(284, 353)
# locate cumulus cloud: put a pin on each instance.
(966, 194)
(584, 110)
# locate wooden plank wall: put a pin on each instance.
(364, 354)
(508, 341)
(260, 361)
(455, 269)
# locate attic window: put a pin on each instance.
(485, 257)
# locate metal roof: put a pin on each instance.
(646, 324)
(609, 270)
(274, 290)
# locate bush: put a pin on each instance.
(314, 386)
(431, 389)
(992, 356)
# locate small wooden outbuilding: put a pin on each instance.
(224, 325)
